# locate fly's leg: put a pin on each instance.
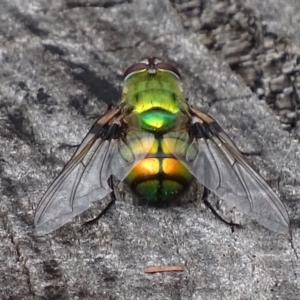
(108, 206)
(69, 146)
(252, 153)
(212, 209)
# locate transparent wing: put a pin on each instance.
(216, 162)
(85, 177)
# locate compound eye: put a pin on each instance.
(168, 67)
(135, 68)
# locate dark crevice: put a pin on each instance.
(54, 50)
(22, 260)
(19, 125)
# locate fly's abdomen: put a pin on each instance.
(159, 177)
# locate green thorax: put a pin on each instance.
(156, 99)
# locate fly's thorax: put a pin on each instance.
(156, 100)
(157, 121)
(159, 177)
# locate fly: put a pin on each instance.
(158, 144)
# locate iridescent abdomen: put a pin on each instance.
(159, 177)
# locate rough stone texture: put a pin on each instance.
(61, 64)
(260, 42)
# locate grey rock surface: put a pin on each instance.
(61, 64)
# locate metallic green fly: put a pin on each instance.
(158, 144)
